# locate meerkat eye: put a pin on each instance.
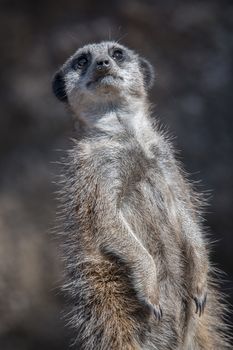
(80, 62)
(118, 55)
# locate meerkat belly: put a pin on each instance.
(150, 210)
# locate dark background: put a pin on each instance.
(190, 43)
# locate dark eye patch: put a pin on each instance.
(118, 54)
(59, 87)
(81, 62)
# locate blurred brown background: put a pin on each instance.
(191, 45)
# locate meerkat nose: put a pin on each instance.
(102, 64)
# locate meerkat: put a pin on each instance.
(136, 255)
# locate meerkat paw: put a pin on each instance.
(154, 305)
(154, 309)
(200, 302)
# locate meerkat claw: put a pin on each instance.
(155, 310)
(158, 312)
(200, 304)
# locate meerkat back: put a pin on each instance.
(135, 251)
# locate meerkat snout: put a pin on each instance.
(103, 74)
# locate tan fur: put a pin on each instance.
(135, 248)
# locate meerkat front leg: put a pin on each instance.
(146, 267)
(197, 264)
(141, 266)
(120, 242)
(198, 269)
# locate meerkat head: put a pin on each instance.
(101, 74)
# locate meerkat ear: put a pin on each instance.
(59, 86)
(148, 72)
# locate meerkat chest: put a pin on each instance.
(149, 188)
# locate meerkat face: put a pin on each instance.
(100, 73)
